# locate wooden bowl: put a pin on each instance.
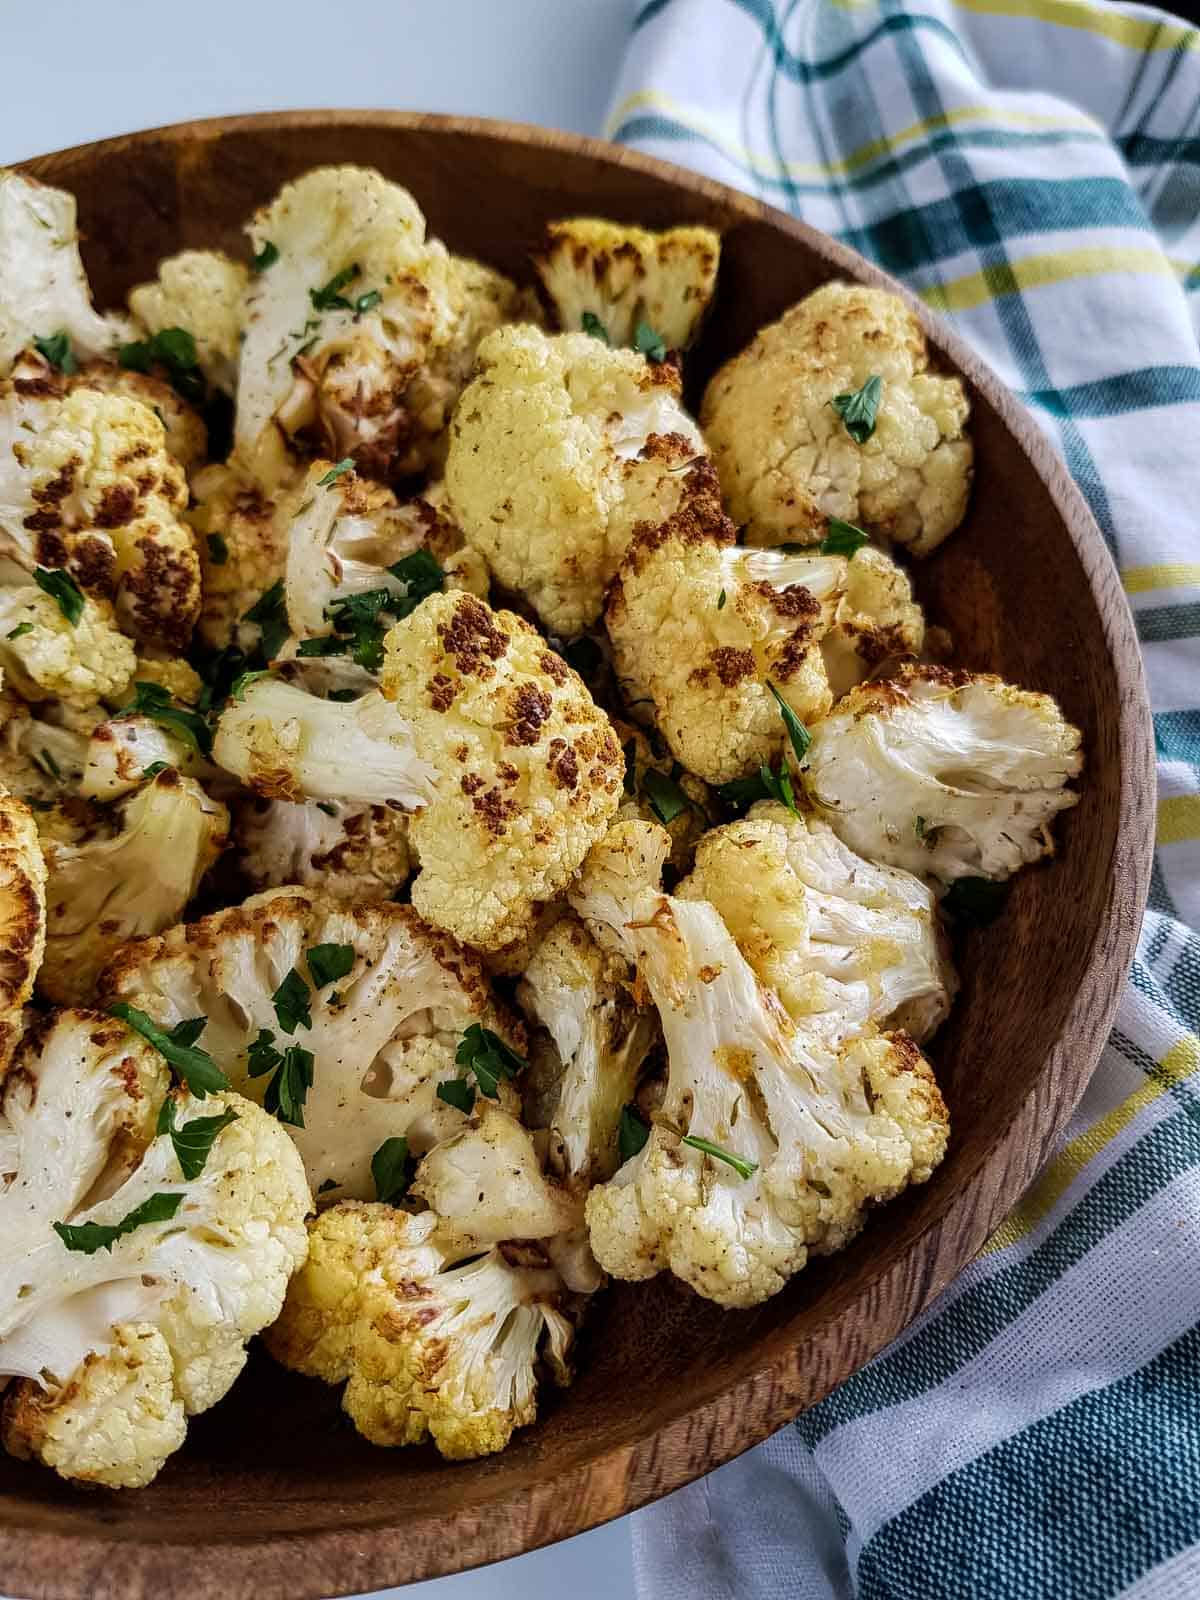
(274, 1494)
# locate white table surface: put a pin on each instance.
(76, 70)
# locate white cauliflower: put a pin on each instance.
(629, 278)
(123, 752)
(425, 1348)
(558, 448)
(134, 878)
(347, 1061)
(356, 853)
(946, 774)
(22, 921)
(76, 654)
(241, 536)
(45, 288)
(876, 623)
(186, 433)
(129, 1284)
(201, 291)
(898, 463)
(771, 1142)
(86, 484)
(844, 943)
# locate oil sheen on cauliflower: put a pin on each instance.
(426, 1349)
(844, 943)
(702, 627)
(627, 277)
(115, 1347)
(786, 460)
(381, 1038)
(528, 770)
(802, 1134)
(558, 448)
(45, 656)
(22, 918)
(87, 484)
(200, 290)
(947, 774)
(356, 853)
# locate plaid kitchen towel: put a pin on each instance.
(1031, 168)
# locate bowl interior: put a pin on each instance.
(669, 1386)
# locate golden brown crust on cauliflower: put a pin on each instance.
(22, 918)
(786, 460)
(242, 542)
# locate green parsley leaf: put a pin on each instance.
(741, 793)
(174, 349)
(266, 257)
(721, 601)
(153, 701)
(457, 1092)
(842, 539)
(217, 669)
(649, 343)
(89, 1237)
(330, 297)
(261, 1055)
(329, 962)
(292, 1000)
(43, 759)
(590, 323)
(486, 1055)
(237, 689)
(975, 901)
(193, 1140)
(288, 1089)
(421, 575)
(346, 464)
(391, 1168)
(57, 350)
(218, 550)
(743, 1168)
(356, 619)
(21, 629)
(859, 409)
(327, 807)
(327, 644)
(367, 302)
(153, 770)
(919, 827)
(779, 786)
(177, 1046)
(797, 732)
(270, 612)
(667, 799)
(632, 1133)
(61, 587)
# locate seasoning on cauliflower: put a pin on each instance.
(129, 1286)
(788, 461)
(351, 852)
(200, 290)
(242, 540)
(558, 448)
(844, 943)
(124, 752)
(657, 789)
(425, 1348)
(704, 628)
(771, 1141)
(527, 769)
(947, 774)
(629, 277)
(86, 484)
(22, 921)
(48, 656)
(358, 329)
(374, 1042)
(134, 878)
(45, 288)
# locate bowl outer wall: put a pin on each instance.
(273, 1496)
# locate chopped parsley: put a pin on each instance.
(43, 759)
(767, 784)
(358, 630)
(649, 343)
(421, 575)
(292, 1078)
(919, 827)
(327, 806)
(486, 1055)
(632, 1133)
(392, 1169)
(667, 800)
(177, 1046)
(266, 257)
(367, 302)
(859, 409)
(153, 701)
(192, 1140)
(721, 601)
(975, 901)
(89, 1237)
(842, 538)
(218, 550)
(457, 1092)
(62, 588)
(346, 464)
(329, 962)
(56, 348)
(590, 323)
(261, 1055)
(237, 689)
(797, 732)
(330, 297)
(174, 349)
(270, 612)
(153, 770)
(292, 1001)
(21, 629)
(743, 1168)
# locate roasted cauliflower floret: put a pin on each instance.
(356, 853)
(186, 434)
(48, 655)
(129, 1285)
(842, 942)
(771, 1142)
(172, 673)
(124, 752)
(527, 769)
(375, 1041)
(703, 629)
(22, 919)
(628, 277)
(87, 484)
(558, 447)
(876, 623)
(134, 878)
(200, 290)
(946, 774)
(657, 789)
(41, 760)
(242, 540)
(45, 288)
(426, 1349)
(788, 460)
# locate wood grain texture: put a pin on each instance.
(274, 1495)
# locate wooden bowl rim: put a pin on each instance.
(507, 1523)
